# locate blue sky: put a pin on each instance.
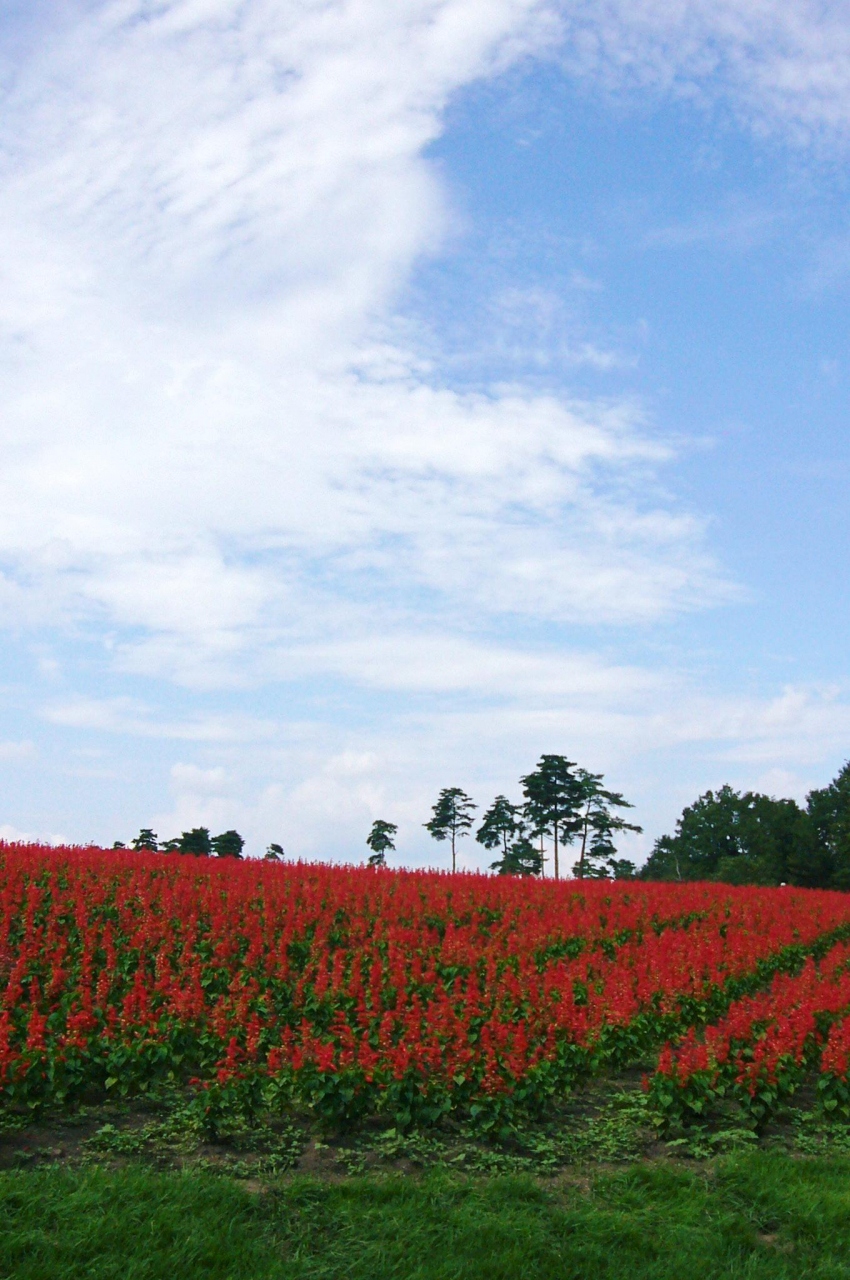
(396, 391)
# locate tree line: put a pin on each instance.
(562, 804)
(725, 835)
(750, 838)
(198, 842)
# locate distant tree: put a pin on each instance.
(197, 842)
(739, 838)
(119, 844)
(380, 841)
(146, 839)
(171, 846)
(828, 810)
(598, 824)
(227, 845)
(522, 858)
(622, 868)
(274, 853)
(503, 828)
(500, 824)
(555, 794)
(452, 818)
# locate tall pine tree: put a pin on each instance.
(381, 841)
(554, 798)
(452, 818)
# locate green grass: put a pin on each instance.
(755, 1214)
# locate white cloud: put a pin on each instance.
(130, 716)
(200, 453)
(799, 725)
(191, 778)
(437, 663)
(529, 329)
(17, 750)
(14, 835)
(202, 797)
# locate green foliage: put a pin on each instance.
(227, 845)
(816, 1133)
(146, 840)
(751, 838)
(522, 858)
(452, 818)
(598, 856)
(500, 824)
(554, 798)
(196, 842)
(381, 841)
(503, 827)
(178, 1136)
(829, 814)
(834, 1096)
(274, 853)
(569, 804)
(740, 839)
(616, 1130)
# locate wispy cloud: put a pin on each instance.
(784, 67)
(737, 228)
(195, 450)
(132, 718)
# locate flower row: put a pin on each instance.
(758, 1052)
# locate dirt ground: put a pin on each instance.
(607, 1123)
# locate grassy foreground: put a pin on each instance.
(754, 1214)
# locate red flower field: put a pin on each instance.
(352, 990)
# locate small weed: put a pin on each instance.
(14, 1121)
(617, 1131)
(114, 1141)
(699, 1144)
(816, 1136)
(177, 1138)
